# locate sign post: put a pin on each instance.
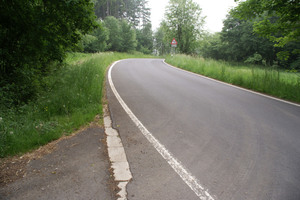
(173, 46)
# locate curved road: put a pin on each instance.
(239, 145)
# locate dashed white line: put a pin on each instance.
(185, 175)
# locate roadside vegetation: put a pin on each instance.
(49, 84)
(268, 80)
(257, 48)
(72, 99)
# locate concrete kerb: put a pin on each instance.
(117, 156)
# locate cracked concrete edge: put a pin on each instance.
(117, 156)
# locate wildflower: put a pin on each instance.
(1, 119)
(11, 132)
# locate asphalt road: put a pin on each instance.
(237, 144)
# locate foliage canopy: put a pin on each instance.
(35, 33)
(135, 12)
(184, 22)
(280, 21)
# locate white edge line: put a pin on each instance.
(251, 91)
(185, 175)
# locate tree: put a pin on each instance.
(97, 40)
(142, 14)
(34, 33)
(211, 46)
(116, 8)
(184, 22)
(114, 33)
(161, 41)
(241, 42)
(122, 37)
(128, 37)
(145, 39)
(280, 21)
(134, 11)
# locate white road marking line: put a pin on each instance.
(247, 90)
(185, 175)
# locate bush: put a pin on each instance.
(33, 34)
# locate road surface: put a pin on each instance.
(236, 144)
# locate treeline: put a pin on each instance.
(256, 31)
(123, 25)
(240, 43)
(35, 37)
(134, 11)
(119, 35)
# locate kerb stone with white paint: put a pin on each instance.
(117, 157)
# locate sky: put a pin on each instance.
(214, 10)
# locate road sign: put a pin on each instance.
(174, 43)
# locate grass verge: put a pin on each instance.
(281, 84)
(72, 99)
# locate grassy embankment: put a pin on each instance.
(72, 100)
(285, 85)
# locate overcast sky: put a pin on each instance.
(214, 10)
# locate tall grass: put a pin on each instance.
(71, 100)
(285, 85)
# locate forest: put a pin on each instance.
(37, 38)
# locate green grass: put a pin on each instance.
(72, 99)
(281, 84)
